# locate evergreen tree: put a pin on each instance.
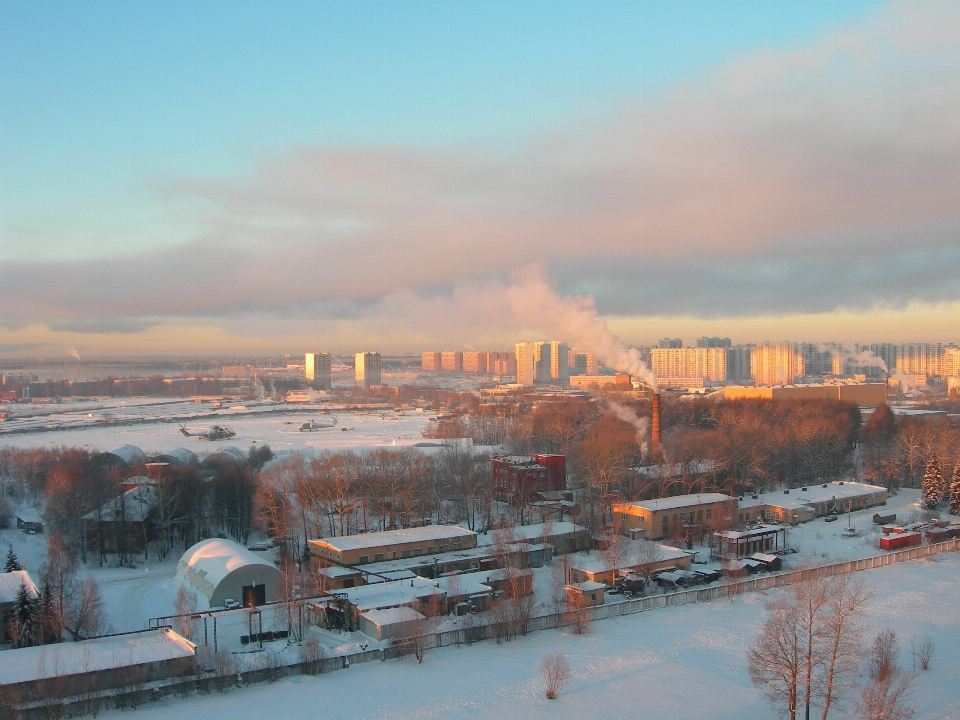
(26, 620)
(13, 562)
(932, 487)
(955, 491)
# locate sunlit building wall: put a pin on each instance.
(707, 364)
(775, 364)
(367, 369)
(317, 367)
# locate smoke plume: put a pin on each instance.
(72, 352)
(573, 319)
(629, 416)
(865, 358)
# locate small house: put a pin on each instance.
(29, 521)
(585, 594)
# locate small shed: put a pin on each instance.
(391, 623)
(222, 569)
(29, 520)
(585, 594)
(772, 562)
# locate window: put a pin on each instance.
(639, 519)
(405, 553)
(417, 551)
(393, 555)
(623, 516)
(364, 559)
(432, 549)
(457, 546)
(709, 513)
(378, 557)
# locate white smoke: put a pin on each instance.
(573, 319)
(865, 358)
(72, 352)
(642, 424)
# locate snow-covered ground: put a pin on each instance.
(681, 662)
(156, 428)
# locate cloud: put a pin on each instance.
(822, 178)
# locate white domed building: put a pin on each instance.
(223, 570)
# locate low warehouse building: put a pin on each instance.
(390, 545)
(391, 623)
(664, 517)
(66, 670)
(806, 503)
(224, 570)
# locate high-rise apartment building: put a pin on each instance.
(580, 362)
(706, 364)
(476, 363)
(920, 359)
(430, 361)
(542, 362)
(775, 364)
(526, 364)
(559, 367)
(451, 361)
(671, 343)
(738, 363)
(713, 342)
(951, 362)
(502, 363)
(318, 370)
(367, 369)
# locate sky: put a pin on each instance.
(250, 178)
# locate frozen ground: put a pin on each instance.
(683, 662)
(154, 429)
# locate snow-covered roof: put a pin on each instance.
(602, 564)
(764, 557)
(29, 514)
(129, 454)
(392, 616)
(526, 533)
(813, 494)
(677, 470)
(752, 532)
(133, 506)
(214, 559)
(390, 594)
(230, 452)
(99, 654)
(10, 583)
(426, 533)
(180, 456)
(679, 501)
(464, 584)
(588, 586)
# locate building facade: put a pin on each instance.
(707, 364)
(775, 364)
(367, 369)
(318, 366)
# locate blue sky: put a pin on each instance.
(133, 132)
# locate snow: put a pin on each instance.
(427, 533)
(680, 501)
(390, 594)
(210, 561)
(10, 583)
(588, 586)
(72, 658)
(685, 661)
(152, 425)
(526, 533)
(391, 616)
(814, 494)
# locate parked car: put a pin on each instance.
(830, 518)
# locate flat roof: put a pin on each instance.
(588, 586)
(86, 656)
(427, 533)
(390, 594)
(533, 532)
(814, 494)
(762, 530)
(679, 501)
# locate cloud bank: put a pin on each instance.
(821, 179)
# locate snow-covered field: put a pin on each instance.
(156, 431)
(682, 662)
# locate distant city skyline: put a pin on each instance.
(232, 178)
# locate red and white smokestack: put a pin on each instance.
(655, 424)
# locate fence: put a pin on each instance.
(490, 631)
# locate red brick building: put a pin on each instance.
(522, 477)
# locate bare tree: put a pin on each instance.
(578, 614)
(810, 644)
(556, 674)
(884, 655)
(922, 652)
(86, 617)
(184, 606)
(647, 555)
(312, 655)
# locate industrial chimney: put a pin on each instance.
(655, 424)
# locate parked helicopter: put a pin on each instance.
(216, 432)
(312, 425)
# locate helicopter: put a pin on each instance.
(216, 432)
(312, 425)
